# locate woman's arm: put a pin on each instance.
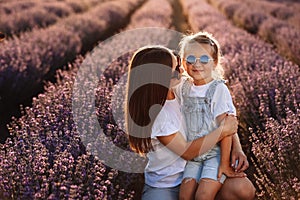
(190, 150)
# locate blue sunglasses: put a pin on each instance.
(204, 59)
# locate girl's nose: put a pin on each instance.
(198, 64)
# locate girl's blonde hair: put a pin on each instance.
(205, 38)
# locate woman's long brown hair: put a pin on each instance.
(139, 117)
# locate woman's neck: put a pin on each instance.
(170, 95)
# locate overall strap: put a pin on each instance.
(186, 87)
(212, 88)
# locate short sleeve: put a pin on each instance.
(222, 101)
(164, 125)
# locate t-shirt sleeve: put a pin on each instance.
(164, 125)
(222, 101)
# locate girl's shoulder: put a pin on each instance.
(222, 89)
(222, 84)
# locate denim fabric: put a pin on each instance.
(151, 193)
(202, 169)
(198, 116)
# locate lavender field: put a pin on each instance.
(57, 56)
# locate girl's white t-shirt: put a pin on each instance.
(164, 167)
(221, 101)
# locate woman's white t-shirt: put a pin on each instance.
(164, 167)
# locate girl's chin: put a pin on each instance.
(197, 77)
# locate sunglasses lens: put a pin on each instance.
(191, 59)
(204, 59)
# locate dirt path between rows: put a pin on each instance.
(179, 19)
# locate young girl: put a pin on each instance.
(156, 130)
(205, 101)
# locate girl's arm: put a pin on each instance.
(189, 150)
(237, 154)
(225, 146)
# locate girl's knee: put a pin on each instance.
(185, 196)
(205, 194)
(181, 197)
(187, 189)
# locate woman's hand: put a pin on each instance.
(229, 172)
(229, 126)
(239, 160)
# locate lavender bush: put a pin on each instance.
(282, 36)
(21, 22)
(248, 19)
(41, 14)
(256, 19)
(277, 154)
(46, 159)
(294, 20)
(27, 61)
(14, 7)
(265, 89)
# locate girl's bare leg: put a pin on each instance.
(187, 189)
(207, 189)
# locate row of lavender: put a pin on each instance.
(254, 19)
(287, 11)
(283, 1)
(19, 17)
(11, 7)
(33, 57)
(53, 156)
(266, 93)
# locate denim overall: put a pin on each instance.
(198, 115)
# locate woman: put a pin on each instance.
(155, 131)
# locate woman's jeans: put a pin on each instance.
(153, 193)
